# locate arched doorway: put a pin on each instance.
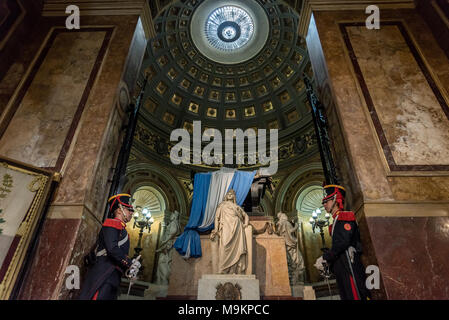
(149, 202)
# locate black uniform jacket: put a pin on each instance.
(345, 234)
(113, 242)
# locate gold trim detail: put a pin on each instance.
(54, 8)
(309, 6)
(119, 195)
(40, 181)
(41, 186)
(405, 209)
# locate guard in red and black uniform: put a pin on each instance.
(344, 256)
(103, 280)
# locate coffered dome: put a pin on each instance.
(230, 64)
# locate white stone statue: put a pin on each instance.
(295, 261)
(165, 250)
(229, 231)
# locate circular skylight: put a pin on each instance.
(231, 31)
(229, 28)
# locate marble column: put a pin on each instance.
(72, 98)
(386, 97)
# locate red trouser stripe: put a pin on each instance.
(95, 296)
(354, 291)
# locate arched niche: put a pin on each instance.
(309, 198)
(150, 175)
(288, 192)
(151, 198)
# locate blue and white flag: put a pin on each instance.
(209, 190)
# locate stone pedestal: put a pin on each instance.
(155, 291)
(269, 264)
(298, 291)
(309, 293)
(135, 292)
(237, 286)
(270, 261)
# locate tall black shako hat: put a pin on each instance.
(123, 198)
(332, 190)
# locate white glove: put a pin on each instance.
(135, 263)
(319, 263)
(133, 270)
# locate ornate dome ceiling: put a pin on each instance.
(230, 34)
(263, 91)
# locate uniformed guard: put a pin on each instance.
(112, 261)
(344, 256)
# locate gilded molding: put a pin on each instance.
(94, 8)
(70, 211)
(303, 144)
(54, 8)
(405, 209)
(24, 233)
(147, 22)
(309, 6)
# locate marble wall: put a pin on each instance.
(68, 101)
(17, 18)
(344, 165)
(53, 96)
(376, 179)
(270, 262)
(411, 253)
(386, 95)
(406, 105)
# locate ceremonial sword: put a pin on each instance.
(352, 273)
(131, 274)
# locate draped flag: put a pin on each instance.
(209, 190)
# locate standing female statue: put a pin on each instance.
(166, 249)
(230, 224)
(295, 261)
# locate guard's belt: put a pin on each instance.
(120, 243)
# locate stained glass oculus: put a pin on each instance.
(229, 28)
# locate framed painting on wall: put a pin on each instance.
(24, 191)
